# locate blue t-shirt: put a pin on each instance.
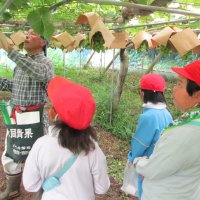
(150, 124)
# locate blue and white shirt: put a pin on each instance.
(154, 119)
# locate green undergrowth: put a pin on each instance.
(124, 121)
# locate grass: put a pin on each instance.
(124, 121)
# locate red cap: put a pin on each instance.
(154, 82)
(73, 103)
(190, 71)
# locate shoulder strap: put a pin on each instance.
(67, 166)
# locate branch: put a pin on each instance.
(156, 59)
(142, 7)
(158, 23)
(5, 6)
(54, 7)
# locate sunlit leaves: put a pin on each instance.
(40, 21)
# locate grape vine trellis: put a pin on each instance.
(42, 14)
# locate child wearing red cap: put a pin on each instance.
(72, 112)
(152, 121)
(172, 172)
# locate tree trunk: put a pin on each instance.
(156, 59)
(121, 79)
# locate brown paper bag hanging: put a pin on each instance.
(185, 41)
(71, 47)
(88, 18)
(10, 42)
(176, 29)
(18, 37)
(120, 40)
(171, 46)
(140, 38)
(108, 37)
(64, 38)
(162, 37)
(3, 42)
(79, 38)
(196, 50)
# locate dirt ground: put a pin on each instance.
(113, 148)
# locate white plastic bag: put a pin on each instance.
(130, 182)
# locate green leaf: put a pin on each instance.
(48, 28)
(34, 19)
(40, 22)
(6, 16)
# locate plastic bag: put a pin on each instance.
(130, 181)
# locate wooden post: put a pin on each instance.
(110, 63)
(156, 59)
(121, 79)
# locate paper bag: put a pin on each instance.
(120, 40)
(64, 38)
(108, 37)
(70, 47)
(79, 38)
(88, 18)
(185, 41)
(196, 50)
(140, 38)
(18, 37)
(3, 42)
(162, 37)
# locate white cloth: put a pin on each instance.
(173, 170)
(87, 176)
(158, 105)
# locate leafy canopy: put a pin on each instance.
(43, 15)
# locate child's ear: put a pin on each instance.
(52, 113)
(196, 95)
